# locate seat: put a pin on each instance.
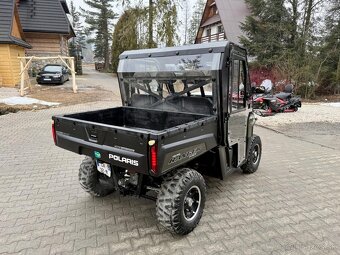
(140, 100)
(288, 88)
(284, 95)
(200, 105)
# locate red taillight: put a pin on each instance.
(54, 134)
(153, 158)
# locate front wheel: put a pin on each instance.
(181, 200)
(253, 155)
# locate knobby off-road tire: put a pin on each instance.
(92, 181)
(253, 156)
(180, 202)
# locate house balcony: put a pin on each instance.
(212, 38)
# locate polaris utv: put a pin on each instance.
(186, 112)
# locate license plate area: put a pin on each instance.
(104, 168)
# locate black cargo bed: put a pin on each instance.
(136, 118)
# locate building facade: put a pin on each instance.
(31, 28)
(221, 20)
(12, 43)
(45, 26)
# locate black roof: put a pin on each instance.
(45, 16)
(216, 47)
(6, 21)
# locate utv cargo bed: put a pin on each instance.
(153, 121)
(125, 132)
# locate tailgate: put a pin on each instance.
(119, 146)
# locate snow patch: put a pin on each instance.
(25, 101)
(332, 104)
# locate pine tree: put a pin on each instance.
(167, 21)
(125, 35)
(159, 20)
(77, 43)
(286, 36)
(99, 19)
(329, 68)
(267, 30)
(79, 40)
(196, 20)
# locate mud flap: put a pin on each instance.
(225, 169)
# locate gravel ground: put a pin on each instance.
(316, 123)
(306, 114)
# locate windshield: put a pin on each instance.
(52, 69)
(167, 82)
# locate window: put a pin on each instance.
(157, 81)
(220, 29)
(51, 68)
(208, 32)
(237, 85)
(215, 10)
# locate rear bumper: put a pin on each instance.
(130, 160)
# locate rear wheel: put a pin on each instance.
(253, 156)
(92, 181)
(181, 200)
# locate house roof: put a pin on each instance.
(232, 13)
(212, 20)
(6, 22)
(45, 16)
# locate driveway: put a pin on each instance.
(94, 79)
(93, 86)
(290, 206)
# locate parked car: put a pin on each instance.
(53, 74)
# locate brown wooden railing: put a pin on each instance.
(212, 38)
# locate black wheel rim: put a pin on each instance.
(192, 203)
(256, 154)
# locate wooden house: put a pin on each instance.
(12, 43)
(31, 28)
(45, 26)
(221, 20)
